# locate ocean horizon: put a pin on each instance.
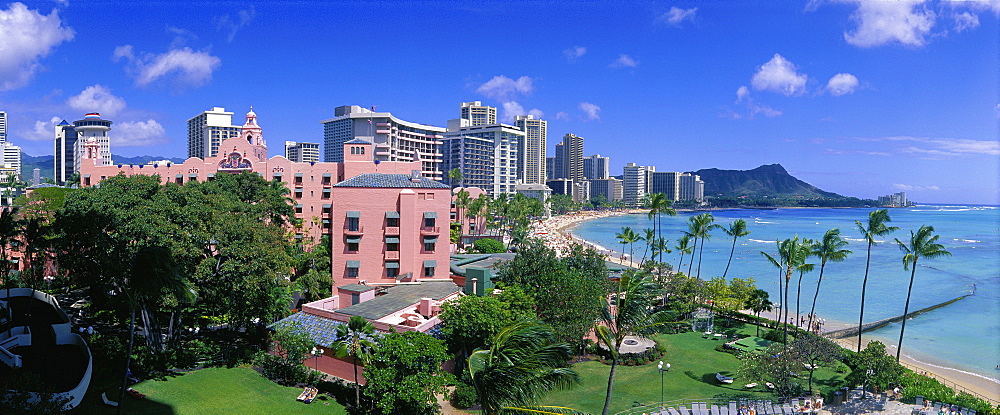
(960, 336)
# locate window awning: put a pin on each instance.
(325, 221)
(326, 190)
(353, 239)
(278, 174)
(193, 175)
(392, 265)
(327, 206)
(298, 205)
(179, 176)
(430, 239)
(391, 240)
(327, 175)
(86, 176)
(354, 213)
(428, 215)
(392, 215)
(432, 263)
(298, 174)
(210, 175)
(354, 264)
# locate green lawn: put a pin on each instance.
(694, 362)
(219, 391)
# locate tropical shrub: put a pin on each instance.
(488, 246)
(464, 396)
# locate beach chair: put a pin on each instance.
(698, 408)
(920, 401)
(672, 411)
(937, 407)
(715, 410)
(732, 408)
(683, 410)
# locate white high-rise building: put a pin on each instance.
(596, 167)
(531, 167)
(92, 126)
(634, 183)
(486, 155)
(394, 139)
(691, 187)
(207, 130)
(3, 127)
(302, 152)
(478, 114)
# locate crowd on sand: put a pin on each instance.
(556, 234)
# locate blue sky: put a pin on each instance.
(859, 98)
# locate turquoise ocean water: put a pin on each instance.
(964, 335)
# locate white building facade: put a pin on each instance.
(531, 166)
(206, 131)
(92, 126)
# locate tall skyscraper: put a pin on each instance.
(531, 166)
(573, 156)
(477, 114)
(207, 130)
(487, 156)
(3, 127)
(666, 182)
(634, 182)
(610, 188)
(691, 187)
(65, 152)
(559, 162)
(92, 126)
(302, 152)
(394, 139)
(596, 167)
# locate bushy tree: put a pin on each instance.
(290, 346)
(472, 320)
(405, 374)
(488, 246)
(813, 351)
(874, 367)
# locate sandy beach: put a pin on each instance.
(555, 232)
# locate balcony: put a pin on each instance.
(392, 255)
(430, 230)
(356, 231)
(392, 230)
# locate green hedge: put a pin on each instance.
(918, 385)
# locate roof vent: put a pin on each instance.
(415, 176)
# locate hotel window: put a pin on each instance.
(326, 178)
(391, 269)
(354, 221)
(326, 193)
(392, 244)
(353, 244)
(391, 219)
(429, 267)
(298, 193)
(352, 268)
(298, 208)
(298, 178)
(429, 219)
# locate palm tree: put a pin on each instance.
(628, 236)
(8, 229)
(830, 248)
(521, 365)
(658, 205)
(355, 340)
(922, 244)
(877, 220)
(684, 247)
(630, 314)
(791, 257)
(806, 252)
(649, 236)
(700, 227)
(153, 273)
(737, 230)
(455, 176)
(758, 302)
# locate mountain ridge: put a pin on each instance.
(770, 180)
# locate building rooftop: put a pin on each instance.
(459, 263)
(321, 330)
(391, 181)
(358, 288)
(357, 141)
(400, 297)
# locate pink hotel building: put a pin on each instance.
(387, 223)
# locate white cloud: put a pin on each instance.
(778, 75)
(137, 133)
(42, 131)
(966, 21)
(885, 22)
(512, 109)
(26, 36)
(563, 116)
(676, 16)
(992, 5)
(97, 98)
(503, 88)
(936, 147)
(842, 84)
(907, 187)
(184, 65)
(624, 61)
(591, 111)
(741, 93)
(230, 25)
(574, 53)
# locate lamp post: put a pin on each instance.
(662, 368)
(316, 352)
